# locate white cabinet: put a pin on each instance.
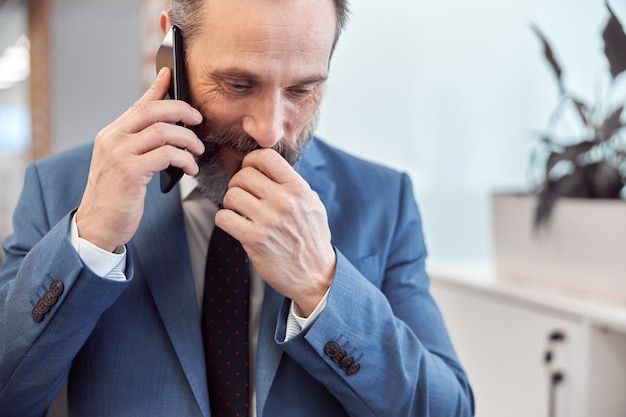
(502, 334)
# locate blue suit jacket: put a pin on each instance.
(134, 348)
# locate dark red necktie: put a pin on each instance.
(225, 325)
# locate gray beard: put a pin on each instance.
(213, 179)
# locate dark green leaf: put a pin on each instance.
(572, 152)
(583, 110)
(573, 185)
(606, 181)
(547, 50)
(567, 154)
(611, 125)
(614, 44)
(596, 180)
(553, 159)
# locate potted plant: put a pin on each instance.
(570, 232)
(593, 163)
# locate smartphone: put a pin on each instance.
(171, 54)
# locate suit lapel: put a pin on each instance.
(160, 247)
(268, 353)
(311, 169)
(162, 255)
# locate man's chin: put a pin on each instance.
(213, 178)
(221, 161)
(231, 159)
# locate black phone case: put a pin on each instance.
(171, 54)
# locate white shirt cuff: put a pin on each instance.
(110, 265)
(295, 323)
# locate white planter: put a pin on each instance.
(581, 249)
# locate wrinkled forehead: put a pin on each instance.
(279, 26)
(294, 37)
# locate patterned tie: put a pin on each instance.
(225, 325)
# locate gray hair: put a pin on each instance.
(186, 14)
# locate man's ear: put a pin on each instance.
(164, 22)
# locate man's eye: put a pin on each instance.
(238, 88)
(301, 91)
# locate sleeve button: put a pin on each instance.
(346, 362)
(56, 288)
(49, 298)
(37, 315)
(332, 348)
(42, 307)
(353, 369)
(339, 356)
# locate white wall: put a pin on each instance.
(95, 63)
(14, 121)
(454, 91)
(451, 91)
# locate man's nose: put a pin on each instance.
(266, 120)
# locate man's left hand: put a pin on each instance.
(283, 226)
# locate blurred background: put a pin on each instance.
(454, 92)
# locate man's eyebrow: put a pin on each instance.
(241, 74)
(315, 79)
(235, 73)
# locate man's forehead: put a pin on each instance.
(258, 30)
(282, 15)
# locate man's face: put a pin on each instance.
(256, 73)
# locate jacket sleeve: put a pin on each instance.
(381, 346)
(49, 304)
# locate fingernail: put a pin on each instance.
(161, 73)
(197, 115)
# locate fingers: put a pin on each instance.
(265, 175)
(151, 108)
(245, 204)
(254, 182)
(265, 191)
(127, 153)
(161, 134)
(149, 125)
(146, 113)
(164, 156)
(280, 220)
(272, 164)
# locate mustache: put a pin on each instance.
(213, 179)
(239, 141)
(242, 142)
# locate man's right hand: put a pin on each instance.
(127, 154)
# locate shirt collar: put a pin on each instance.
(189, 188)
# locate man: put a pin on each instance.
(104, 277)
